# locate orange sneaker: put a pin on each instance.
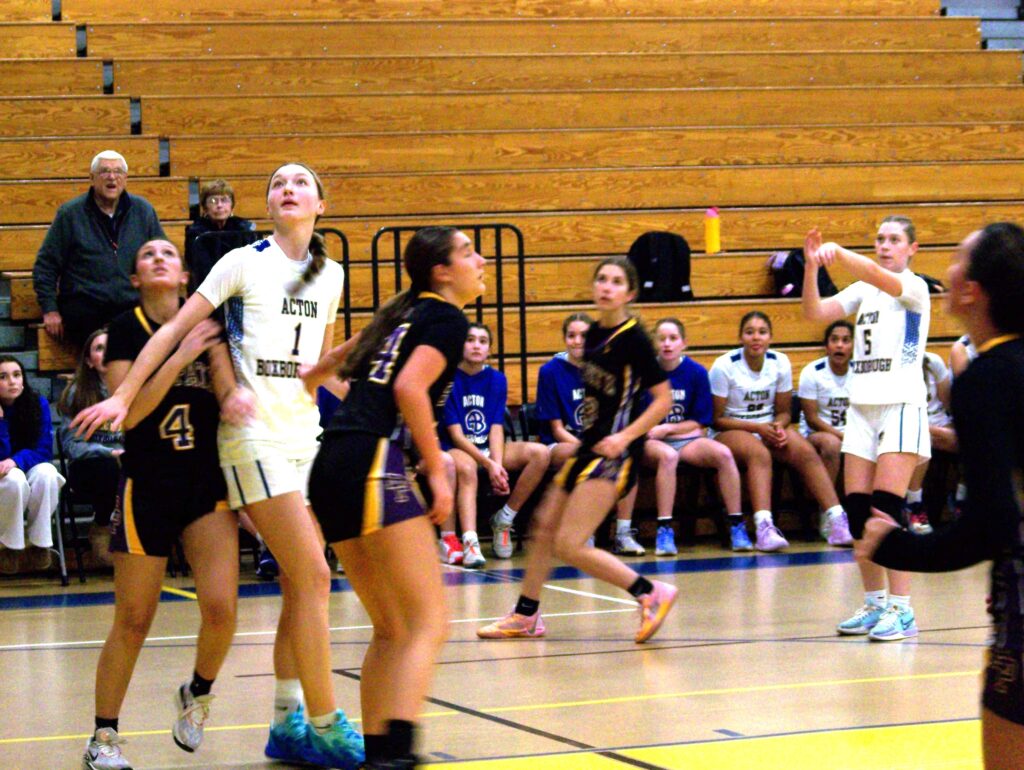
(514, 626)
(654, 607)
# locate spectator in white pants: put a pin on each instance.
(29, 483)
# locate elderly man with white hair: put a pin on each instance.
(82, 269)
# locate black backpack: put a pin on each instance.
(662, 260)
(788, 271)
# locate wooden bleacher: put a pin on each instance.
(854, 105)
(529, 72)
(169, 10)
(583, 131)
(519, 36)
(60, 158)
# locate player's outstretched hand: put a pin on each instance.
(812, 242)
(107, 414)
(203, 336)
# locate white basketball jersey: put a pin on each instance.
(936, 371)
(889, 341)
(832, 392)
(750, 395)
(270, 334)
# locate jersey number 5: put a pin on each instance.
(177, 428)
(383, 363)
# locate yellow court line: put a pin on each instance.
(179, 592)
(728, 691)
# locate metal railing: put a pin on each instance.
(476, 231)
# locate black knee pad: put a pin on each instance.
(858, 509)
(888, 503)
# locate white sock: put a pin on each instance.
(622, 526)
(446, 534)
(287, 698)
(469, 537)
(666, 522)
(903, 602)
(961, 492)
(506, 516)
(915, 495)
(875, 598)
(324, 722)
(761, 516)
(835, 510)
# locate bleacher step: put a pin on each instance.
(12, 337)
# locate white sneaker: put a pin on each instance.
(502, 543)
(471, 555)
(193, 711)
(626, 544)
(103, 751)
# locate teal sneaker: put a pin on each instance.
(340, 747)
(894, 624)
(739, 537)
(288, 741)
(862, 621)
(665, 542)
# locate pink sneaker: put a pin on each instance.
(514, 626)
(839, 531)
(653, 609)
(769, 538)
(451, 550)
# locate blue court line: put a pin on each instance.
(463, 577)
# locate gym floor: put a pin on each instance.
(747, 672)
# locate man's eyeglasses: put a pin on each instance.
(111, 172)
(216, 200)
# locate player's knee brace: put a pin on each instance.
(858, 508)
(888, 503)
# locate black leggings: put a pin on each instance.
(94, 480)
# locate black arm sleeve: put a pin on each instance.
(989, 425)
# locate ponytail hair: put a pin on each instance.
(429, 246)
(317, 246)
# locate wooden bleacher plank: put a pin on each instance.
(56, 158)
(608, 148)
(36, 202)
(611, 232)
(225, 115)
(549, 279)
(28, 10)
(500, 192)
(709, 323)
(743, 229)
(369, 38)
(170, 10)
(50, 77)
(64, 116)
(38, 40)
(799, 357)
(575, 72)
(54, 355)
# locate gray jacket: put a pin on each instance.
(86, 256)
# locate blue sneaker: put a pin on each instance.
(740, 538)
(862, 621)
(288, 741)
(665, 542)
(340, 747)
(894, 624)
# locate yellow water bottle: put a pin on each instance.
(712, 231)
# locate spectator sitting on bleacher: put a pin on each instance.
(474, 434)
(81, 271)
(939, 381)
(752, 392)
(94, 471)
(559, 410)
(217, 207)
(824, 394)
(29, 483)
(682, 435)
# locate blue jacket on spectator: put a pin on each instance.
(28, 457)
